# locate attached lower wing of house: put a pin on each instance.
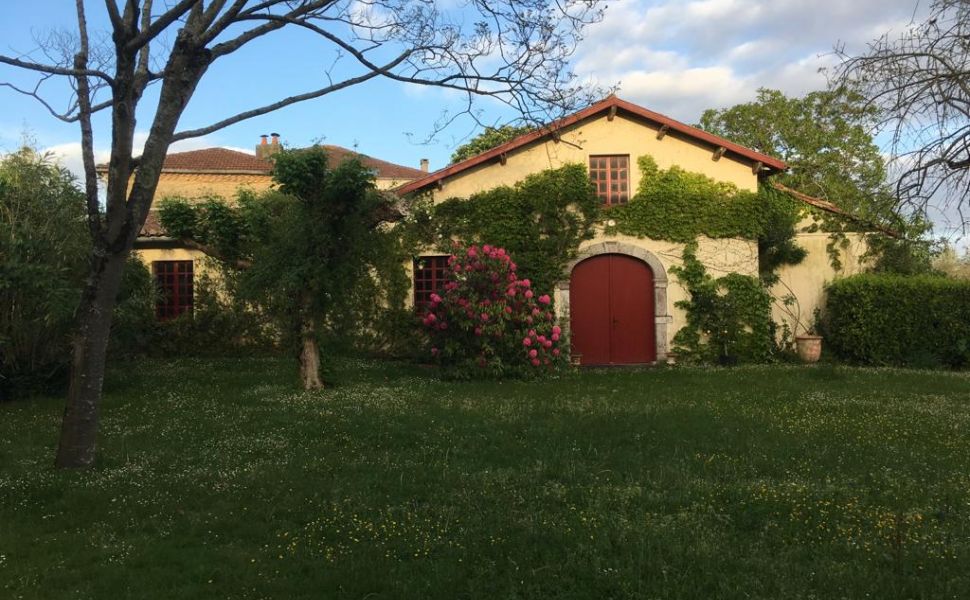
(617, 296)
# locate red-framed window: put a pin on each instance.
(611, 176)
(174, 281)
(430, 276)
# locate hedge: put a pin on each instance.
(921, 321)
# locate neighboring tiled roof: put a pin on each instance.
(215, 160)
(152, 227)
(612, 103)
(384, 169)
(223, 160)
(830, 207)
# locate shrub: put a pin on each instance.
(44, 245)
(728, 318)
(220, 324)
(134, 327)
(896, 320)
(488, 322)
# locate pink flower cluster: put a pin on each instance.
(486, 316)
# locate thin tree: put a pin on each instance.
(919, 81)
(514, 51)
(295, 251)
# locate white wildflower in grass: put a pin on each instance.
(216, 478)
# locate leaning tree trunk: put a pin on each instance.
(79, 429)
(309, 357)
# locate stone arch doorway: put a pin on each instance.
(615, 301)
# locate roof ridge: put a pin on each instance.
(832, 207)
(612, 103)
(218, 159)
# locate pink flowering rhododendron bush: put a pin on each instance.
(489, 322)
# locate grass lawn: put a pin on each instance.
(217, 480)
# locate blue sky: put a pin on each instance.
(674, 56)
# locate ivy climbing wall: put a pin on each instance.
(599, 136)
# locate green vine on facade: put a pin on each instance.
(728, 318)
(540, 221)
(678, 206)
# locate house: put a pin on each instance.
(198, 174)
(618, 295)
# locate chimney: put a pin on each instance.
(265, 149)
(425, 164)
(262, 146)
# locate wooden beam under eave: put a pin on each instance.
(756, 167)
(718, 153)
(441, 185)
(662, 131)
(612, 114)
(503, 158)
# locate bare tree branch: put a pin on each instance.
(919, 80)
(55, 70)
(113, 14)
(249, 114)
(232, 45)
(161, 24)
(69, 116)
(87, 131)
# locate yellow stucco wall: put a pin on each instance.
(599, 135)
(226, 185)
(389, 183)
(628, 135)
(200, 266)
(198, 185)
(806, 280)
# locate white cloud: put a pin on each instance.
(680, 58)
(69, 154)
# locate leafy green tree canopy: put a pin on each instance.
(825, 139)
(44, 246)
(43, 241)
(488, 139)
(296, 250)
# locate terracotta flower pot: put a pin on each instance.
(809, 347)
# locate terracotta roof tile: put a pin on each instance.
(214, 160)
(224, 160)
(209, 160)
(831, 207)
(383, 168)
(152, 227)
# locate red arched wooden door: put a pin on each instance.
(611, 308)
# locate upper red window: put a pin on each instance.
(430, 276)
(175, 287)
(611, 176)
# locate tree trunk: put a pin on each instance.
(310, 358)
(79, 429)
